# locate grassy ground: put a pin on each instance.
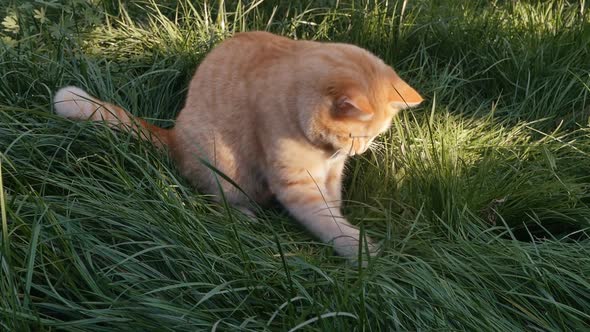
(480, 197)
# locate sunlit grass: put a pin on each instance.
(480, 198)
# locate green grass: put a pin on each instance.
(481, 197)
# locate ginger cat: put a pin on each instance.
(277, 116)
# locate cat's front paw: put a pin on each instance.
(348, 246)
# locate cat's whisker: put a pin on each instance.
(336, 154)
(351, 147)
(376, 146)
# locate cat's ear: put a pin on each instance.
(352, 106)
(403, 96)
(403, 105)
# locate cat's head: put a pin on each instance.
(359, 97)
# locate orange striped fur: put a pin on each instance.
(277, 116)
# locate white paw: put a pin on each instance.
(348, 246)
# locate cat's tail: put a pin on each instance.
(76, 104)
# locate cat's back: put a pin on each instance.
(235, 63)
(234, 75)
(249, 52)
